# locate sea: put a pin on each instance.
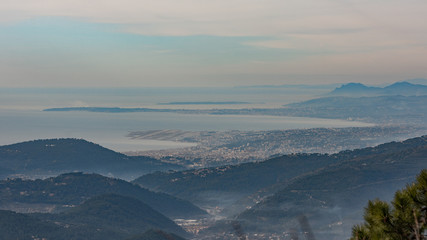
(22, 117)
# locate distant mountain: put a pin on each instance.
(379, 109)
(406, 89)
(399, 88)
(156, 235)
(295, 86)
(332, 198)
(58, 193)
(421, 81)
(355, 89)
(51, 157)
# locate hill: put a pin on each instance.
(332, 198)
(223, 186)
(156, 235)
(107, 217)
(111, 212)
(20, 226)
(399, 88)
(25, 227)
(56, 193)
(379, 109)
(51, 157)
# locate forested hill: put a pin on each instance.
(51, 157)
(21, 226)
(156, 235)
(116, 213)
(203, 185)
(54, 193)
(333, 197)
(105, 217)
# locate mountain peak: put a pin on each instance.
(352, 88)
(403, 84)
(403, 88)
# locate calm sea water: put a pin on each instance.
(22, 118)
(110, 129)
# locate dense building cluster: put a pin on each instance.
(216, 148)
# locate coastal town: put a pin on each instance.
(215, 148)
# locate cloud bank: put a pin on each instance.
(339, 39)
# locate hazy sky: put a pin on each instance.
(80, 43)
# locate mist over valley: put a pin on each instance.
(235, 168)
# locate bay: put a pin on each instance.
(110, 129)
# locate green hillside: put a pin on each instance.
(215, 186)
(333, 198)
(75, 188)
(203, 186)
(106, 217)
(156, 235)
(115, 213)
(19, 226)
(55, 156)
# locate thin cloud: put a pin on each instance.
(225, 17)
(352, 39)
(320, 20)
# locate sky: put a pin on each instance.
(182, 43)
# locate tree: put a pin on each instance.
(405, 218)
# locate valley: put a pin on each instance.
(260, 200)
(264, 182)
(213, 120)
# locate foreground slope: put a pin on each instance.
(333, 198)
(226, 185)
(221, 186)
(20, 226)
(116, 213)
(55, 156)
(328, 190)
(25, 227)
(56, 193)
(156, 235)
(106, 217)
